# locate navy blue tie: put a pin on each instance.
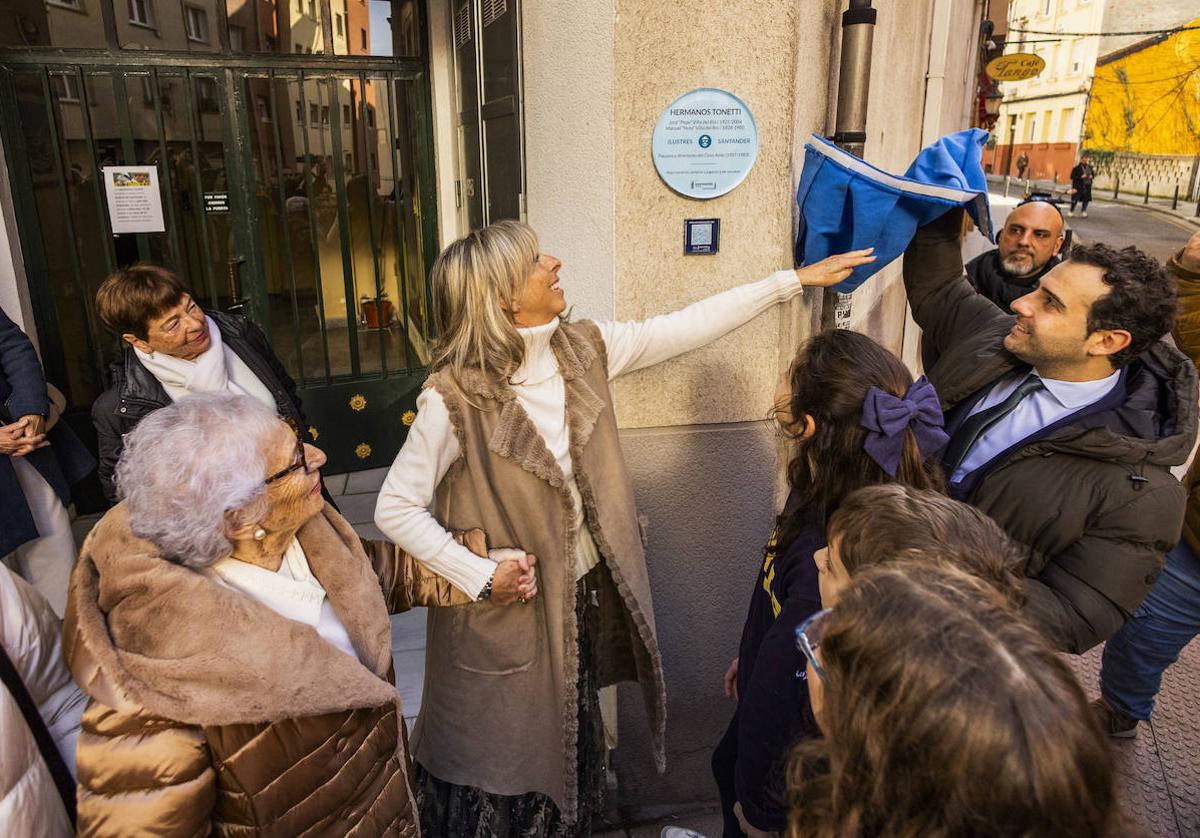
(983, 421)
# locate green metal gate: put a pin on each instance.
(295, 160)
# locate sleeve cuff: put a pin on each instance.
(465, 570)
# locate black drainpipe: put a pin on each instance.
(850, 126)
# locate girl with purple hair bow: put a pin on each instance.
(856, 418)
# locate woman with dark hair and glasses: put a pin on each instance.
(232, 635)
(943, 713)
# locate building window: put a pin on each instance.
(263, 107)
(67, 88)
(364, 40)
(196, 22)
(73, 5)
(374, 162)
(1047, 7)
(325, 114)
(345, 114)
(206, 92)
(299, 113)
(237, 38)
(1047, 118)
(299, 48)
(370, 117)
(1066, 124)
(340, 21)
(141, 12)
(312, 9)
(314, 116)
(349, 161)
(147, 91)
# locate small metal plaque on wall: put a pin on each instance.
(701, 236)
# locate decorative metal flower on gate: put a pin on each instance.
(358, 401)
(313, 432)
(362, 451)
(408, 417)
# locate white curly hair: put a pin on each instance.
(184, 466)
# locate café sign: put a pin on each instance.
(1016, 67)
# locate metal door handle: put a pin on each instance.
(235, 291)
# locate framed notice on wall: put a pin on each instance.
(705, 143)
(134, 199)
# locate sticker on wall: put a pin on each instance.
(705, 143)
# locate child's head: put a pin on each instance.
(944, 714)
(820, 404)
(893, 522)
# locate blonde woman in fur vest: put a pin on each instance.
(233, 638)
(515, 434)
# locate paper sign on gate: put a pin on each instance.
(134, 199)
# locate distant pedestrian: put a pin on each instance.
(1136, 656)
(857, 419)
(945, 715)
(1022, 165)
(1081, 184)
(40, 460)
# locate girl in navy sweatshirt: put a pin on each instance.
(857, 419)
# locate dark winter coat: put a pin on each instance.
(135, 392)
(61, 464)
(1187, 338)
(1093, 501)
(1081, 181)
(773, 710)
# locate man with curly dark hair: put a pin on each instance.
(1065, 419)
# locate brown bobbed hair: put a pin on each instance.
(131, 297)
(945, 714)
(829, 380)
(893, 522)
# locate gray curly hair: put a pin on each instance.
(186, 465)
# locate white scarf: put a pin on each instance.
(292, 592)
(217, 370)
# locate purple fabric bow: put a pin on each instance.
(886, 417)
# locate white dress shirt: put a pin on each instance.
(402, 512)
(292, 592)
(1035, 411)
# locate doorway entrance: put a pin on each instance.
(293, 144)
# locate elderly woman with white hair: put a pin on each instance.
(516, 434)
(233, 638)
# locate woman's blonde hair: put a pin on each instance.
(476, 281)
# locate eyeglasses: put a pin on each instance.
(299, 463)
(808, 639)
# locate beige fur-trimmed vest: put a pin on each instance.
(499, 708)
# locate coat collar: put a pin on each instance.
(514, 436)
(143, 634)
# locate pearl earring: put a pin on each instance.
(260, 534)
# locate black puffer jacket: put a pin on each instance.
(135, 392)
(1094, 501)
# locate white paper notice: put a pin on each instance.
(134, 199)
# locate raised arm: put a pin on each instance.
(943, 302)
(634, 345)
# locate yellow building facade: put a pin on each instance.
(1143, 117)
(1146, 97)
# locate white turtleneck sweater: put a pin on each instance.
(403, 509)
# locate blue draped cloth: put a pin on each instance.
(848, 204)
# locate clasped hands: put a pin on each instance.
(23, 436)
(515, 579)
